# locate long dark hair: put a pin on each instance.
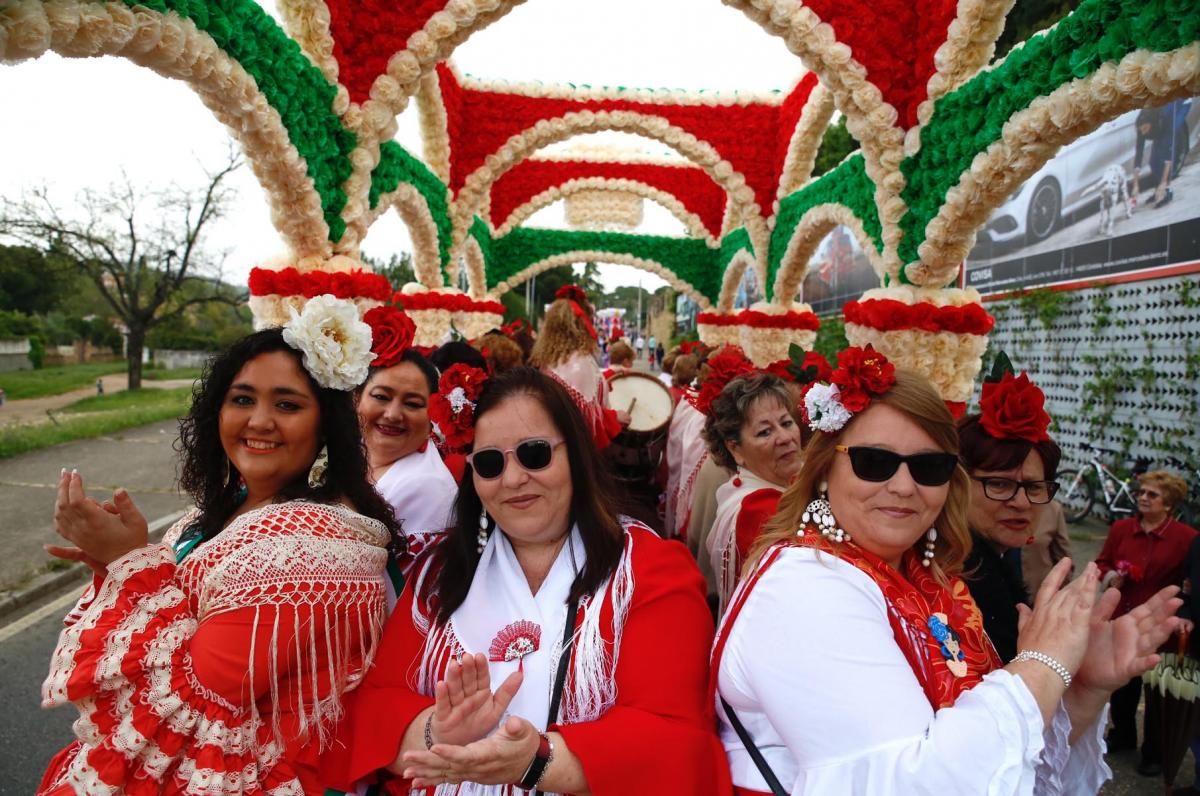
(593, 496)
(208, 476)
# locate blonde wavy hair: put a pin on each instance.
(561, 337)
(1173, 488)
(913, 396)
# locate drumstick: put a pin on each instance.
(632, 404)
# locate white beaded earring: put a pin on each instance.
(930, 538)
(819, 513)
(484, 527)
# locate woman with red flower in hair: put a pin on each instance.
(393, 412)
(852, 658)
(1012, 463)
(566, 350)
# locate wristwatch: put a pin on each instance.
(541, 761)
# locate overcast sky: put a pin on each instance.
(71, 123)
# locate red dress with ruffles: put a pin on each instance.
(220, 674)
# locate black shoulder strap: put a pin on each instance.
(564, 660)
(760, 762)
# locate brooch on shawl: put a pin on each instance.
(948, 644)
(514, 642)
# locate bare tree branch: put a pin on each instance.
(141, 247)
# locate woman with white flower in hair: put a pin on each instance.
(853, 659)
(216, 661)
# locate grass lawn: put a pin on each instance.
(22, 384)
(95, 417)
(158, 374)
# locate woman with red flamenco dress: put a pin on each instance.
(216, 661)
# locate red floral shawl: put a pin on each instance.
(912, 596)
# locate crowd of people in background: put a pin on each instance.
(432, 571)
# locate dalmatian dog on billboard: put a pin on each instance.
(1113, 187)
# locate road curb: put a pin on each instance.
(51, 582)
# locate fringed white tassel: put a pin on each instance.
(593, 685)
(274, 677)
(441, 645)
(301, 713)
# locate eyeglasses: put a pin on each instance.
(880, 464)
(532, 454)
(1150, 493)
(1003, 489)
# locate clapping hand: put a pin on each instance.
(1058, 624)
(1122, 648)
(100, 533)
(466, 709)
(499, 759)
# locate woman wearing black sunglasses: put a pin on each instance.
(852, 658)
(595, 630)
(1012, 463)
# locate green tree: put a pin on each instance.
(32, 281)
(835, 145)
(140, 247)
(831, 337)
(398, 269)
(1027, 17)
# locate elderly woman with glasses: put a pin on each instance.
(595, 630)
(1140, 556)
(1011, 462)
(852, 657)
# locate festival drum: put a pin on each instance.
(636, 451)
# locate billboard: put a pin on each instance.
(837, 273)
(1124, 198)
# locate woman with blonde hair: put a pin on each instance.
(852, 657)
(566, 350)
(1141, 555)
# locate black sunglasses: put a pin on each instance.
(880, 464)
(532, 454)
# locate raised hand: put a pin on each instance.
(1058, 626)
(465, 709)
(499, 759)
(102, 533)
(1122, 648)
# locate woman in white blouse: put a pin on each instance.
(853, 659)
(393, 411)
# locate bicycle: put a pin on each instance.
(1079, 487)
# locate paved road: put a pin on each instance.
(140, 459)
(29, 736)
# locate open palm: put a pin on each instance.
(1122, 648)
(465, 709)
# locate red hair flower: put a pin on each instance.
(392, 333)
(572, 293)
(1014, 408)
(861, 373)
(723, 367)
(452, 407)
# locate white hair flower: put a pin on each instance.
(824, 407)
(334, 340)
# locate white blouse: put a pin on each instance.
(421, 491)
(815, 675)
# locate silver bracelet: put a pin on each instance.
(429, 732)
(1043, 658)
